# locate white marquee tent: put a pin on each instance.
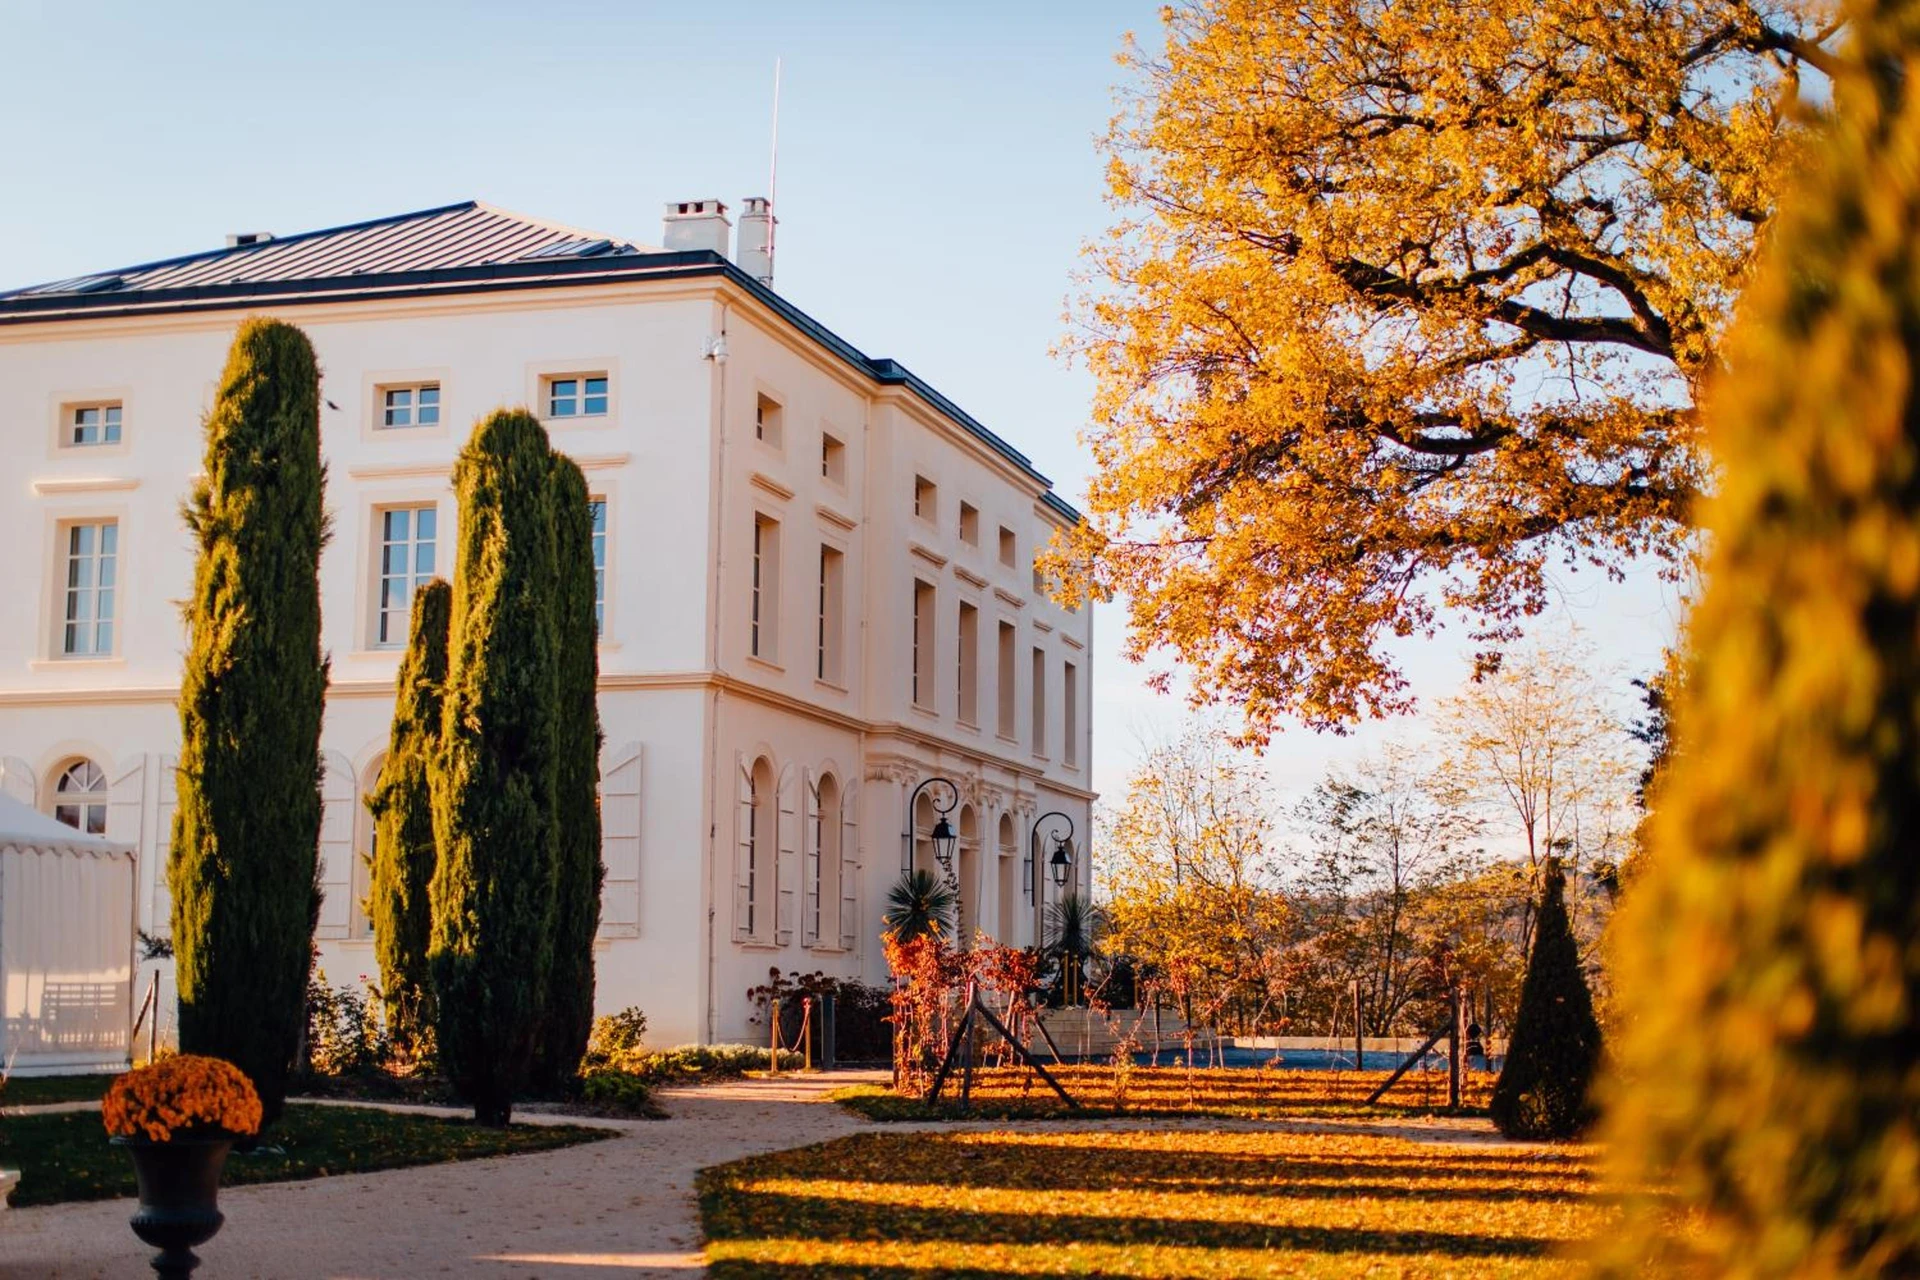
(66, 945)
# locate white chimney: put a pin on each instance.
(696, 224)
(756, 239)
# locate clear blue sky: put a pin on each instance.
(938, 176)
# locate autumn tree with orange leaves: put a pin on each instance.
(1410, 304)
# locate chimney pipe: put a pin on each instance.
(756, 239)
(696, 224)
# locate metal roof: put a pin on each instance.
(455, 248)
(469, 234)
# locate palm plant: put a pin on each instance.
(920, 904)
(1076, 927)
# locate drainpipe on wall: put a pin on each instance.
(718, 534)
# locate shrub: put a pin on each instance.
(346, 1034)
(1555, 1047)
(492, 890)
(618, 1093)
(402, 809)
(616, 1038)
(1766, 961)
(242, 866)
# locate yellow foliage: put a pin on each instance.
(1767, 965)
(1408, 303)
(182, 1095)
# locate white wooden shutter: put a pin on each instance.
(337, 796)
(742, 848)
(849, 866)
(160, 848)
(16, 780)
(620, 842)
(787, 870)
(810, 857)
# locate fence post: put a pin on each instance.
(1456, 1049)
(1359, 1032)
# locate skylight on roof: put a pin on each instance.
(570, 249)
(83, 284)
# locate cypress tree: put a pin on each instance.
(493, 798)
(1767, 964)
(1543, 1088)
(568, 1017)
(402, 808)
(245, 842)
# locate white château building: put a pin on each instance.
(817, 583)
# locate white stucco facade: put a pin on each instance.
(753, 802)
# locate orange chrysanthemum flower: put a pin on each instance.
(181, 1096)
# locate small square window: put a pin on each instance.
(969, 524)
(926, 498)
(766, 421)
(414, 405)
(833, 459)
(577, 396)
(92, 424)
(1008, 555)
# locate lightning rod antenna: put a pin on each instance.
(773, 168)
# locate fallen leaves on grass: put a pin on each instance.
(1149, 1203)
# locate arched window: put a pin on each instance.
(967, 864)
(823, 866)
(1009, 868)
(763, 833)
(80, 797)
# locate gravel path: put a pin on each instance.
(622, 1207)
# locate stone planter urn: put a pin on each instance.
(179, 1192)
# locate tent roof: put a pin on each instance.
(22, 826)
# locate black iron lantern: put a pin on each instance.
(943, 836)
(944, 840)
(1061, 863)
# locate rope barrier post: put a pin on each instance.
(806, 1033)
(773, 1048)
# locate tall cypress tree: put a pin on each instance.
(402, 808)
(246, 831)
(1766, 961)
(1543, 1088)
(493, 785)
(578, 873)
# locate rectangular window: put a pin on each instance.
(1039, 694)
(598, 506)
(925, 498)
(833, 459)
(969, 524)
(1070, 713)
(92, 551)
(1007, 553)
(1004, 667)
(406, 561)
(764, 639)
(923, 602)
(968, 708)
(1039, 580)
(832, 591)
(416, 405)
(766, 421)
(92, 424)
(577, 396)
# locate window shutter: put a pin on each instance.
(126, 798)
(336, 845)
(786, 873)
(16, 780)
(620, 842)
(810, 857)
(743, 846)
(160, 920)
(849, 867)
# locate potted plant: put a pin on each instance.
(178, 1118)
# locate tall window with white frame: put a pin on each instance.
(764, 614)
(1039, 701)
(92, 556)
(80, 797)
(598, 507)
(828, 660)
(1004, 659)
(967, 655)
(823, 866)
(923, 606)
(93, 425)
(1070, 713)
(407, 536)
(762, 820)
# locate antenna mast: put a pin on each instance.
(773, 167)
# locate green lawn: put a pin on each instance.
(890, 1206)
(23, 1091)
(66, 1156)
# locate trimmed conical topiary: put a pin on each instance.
(568, 1018)
(1544, 1088)
(402, 808)
(1768, 959)
(246, 831)
(493, 784)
